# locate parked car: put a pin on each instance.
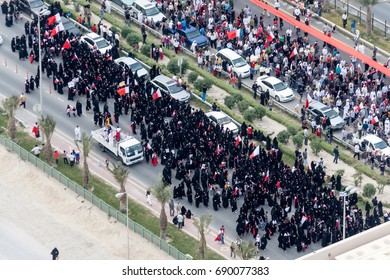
(131, 64)
(375, 143)
(148, 10)
(222, 119)
(94, 41)
(123, 3)
(169, 86)
(277, 89)
(317, 108)
(238, 63)
(70, 26)
(32, 7)
(190, 35)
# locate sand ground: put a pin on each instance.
(44, 214)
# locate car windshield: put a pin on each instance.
(36, 4)
(331, 114)
(152, 11)
(239, 62)
(280, 86)
(174, 88)
(68, 25)
(136, 66)
(193, 34)
(380, 145)
(101, 44)
(224, 120)
(131, 151)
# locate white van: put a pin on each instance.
(148, 9)
(239, 65)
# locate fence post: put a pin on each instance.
(347, 9)
(91, 198)
(177, 254)
(35, 160)
(51, 171)
(100, 204)
(116, 215)
(83, 193)
(67, 182)
(109, 209)
(20, 149)
(169, 249)
(335, 5)
(160, 243)
(143, 232)
(372, 25)
(360, 15)
(385, 28)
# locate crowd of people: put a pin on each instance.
(213, 167)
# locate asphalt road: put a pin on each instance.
(12, 82)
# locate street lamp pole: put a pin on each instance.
(119, 196)
(349, 190)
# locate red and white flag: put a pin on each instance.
(308, 100)
(53, 19)
(57, 29)
(74, 57)
(359, 107)
(374, 120)
(238, 140)
(266, 178)
(255, 153)
(156, 94)
(66, 44)
(270, 37)
(294, 52)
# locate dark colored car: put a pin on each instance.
(192, 34)
(70, 26)
(32, 7)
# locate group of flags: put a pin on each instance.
(56, 19)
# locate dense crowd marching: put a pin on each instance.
(212, 166)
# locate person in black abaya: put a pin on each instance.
(216, 201)
(79, 108)
(13, 45)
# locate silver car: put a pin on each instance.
(317, 108)
(169, 86)
(131, 64)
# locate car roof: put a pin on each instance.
(144, 3)
(230, 53)
(216, 114)
(127, 60)
(270, 79)
(163, 79)
(319, 106)
(93, 35)
(372, 138)
(188, 28)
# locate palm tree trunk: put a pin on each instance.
(48, 152)
(369, 20)
(202, 241)
(85, 174)
(163, 224)
(12, 128)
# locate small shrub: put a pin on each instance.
(283, 136)
(243, 105)
(115, 30)
(145, 50)
(173, 67)
(238, 97)
(125, 31)
(208, 82)
(260, 112)
(369, 190)
(66, 2)
(292, 130)
(192, 77)
(76, 6)
(230, 101)
(298, 140)
(316, 146)
(249, 114)
(184, 66)
(382, 182)
(339, 172)
(198, 84)
(133, 39)
(358, 179)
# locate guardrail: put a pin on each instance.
(94, 200)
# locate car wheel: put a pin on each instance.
(277, 98)
(260, 88)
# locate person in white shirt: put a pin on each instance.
(36, 150)
(277, 5)
(108, 6)
(77, 133)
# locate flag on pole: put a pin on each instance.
(294, 52)
(156, 94)
(266, 178)
(374, 120)
(66, 44)
(231, 35)
(255, 153)
(308, 100)
(53, 19)
(74, 57)
(270, 37)
(238, 140)
(57, 29)
(121, 91)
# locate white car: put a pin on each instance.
(96, 42)
(375, 143)
(131, 64)
(222, 119)
(277, 89)
(169, 86)
(148, 10)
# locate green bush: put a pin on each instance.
(260, 112)
(298, 140)
(369, 190)
(115, 30)
(77, 6)
(208, 82)
(174, 68)
(243, 105)
(125, 31)
(316, 146)
(198, 84)
(145, 50)
(230, 101)
(192, 77)
(292, 130)
(249, 114)
(238, 97)
(133, 39)
(66, 2)
(283, 136)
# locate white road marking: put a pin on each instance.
(60, 99)
(85, 115)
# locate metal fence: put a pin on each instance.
(87, 195)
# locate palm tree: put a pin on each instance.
(86, 148)
(368, 4)
(48, 125)
(10, 105)
(202, 224)
(120, 174)
(247, 250)
(163, 194)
